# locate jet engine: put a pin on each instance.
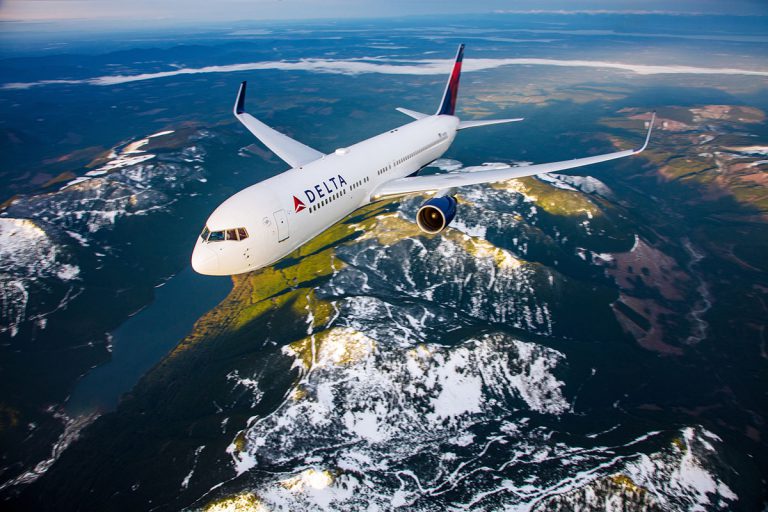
(435, 215)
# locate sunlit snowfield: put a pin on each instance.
(589, 341)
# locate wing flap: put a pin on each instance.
(293, 152)
(459, 179)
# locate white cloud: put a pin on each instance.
(415, 67)
(622, 12)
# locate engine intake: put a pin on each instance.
(435, 215)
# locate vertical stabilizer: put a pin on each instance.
(448, 105)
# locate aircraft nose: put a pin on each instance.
(204, 260)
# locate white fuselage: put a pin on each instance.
(329, 189)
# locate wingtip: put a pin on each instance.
(648, 135)
(240, 102)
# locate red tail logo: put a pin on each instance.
(297, 204)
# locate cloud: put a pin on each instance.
(631, 12)
(384, 66)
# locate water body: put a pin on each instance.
(145, 338)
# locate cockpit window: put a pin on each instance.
(216, 236)
(234, 235)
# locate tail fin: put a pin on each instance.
(448, 105)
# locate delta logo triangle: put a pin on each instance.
(297, 204)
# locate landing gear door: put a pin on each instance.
(281, 219)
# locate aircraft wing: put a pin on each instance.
(291, 151)
(416, 184)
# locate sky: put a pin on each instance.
(230, 10)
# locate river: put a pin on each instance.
(145, 338)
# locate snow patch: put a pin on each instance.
(32, 268)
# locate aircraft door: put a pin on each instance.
(281, 219)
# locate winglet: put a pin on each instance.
(448, 104)
(647, 137)
(240, 102)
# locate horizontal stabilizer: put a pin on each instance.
(474, 124)
(293, 152)
(412, 113)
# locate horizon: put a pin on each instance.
(74, 28)
(195, 11)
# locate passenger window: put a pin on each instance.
(216, 236)
(242, 233)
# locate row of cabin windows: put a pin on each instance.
(328, 200)
(358, 183)
(225, 234)
(384, 169)
(420, 150)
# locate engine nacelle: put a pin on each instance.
(435, 215)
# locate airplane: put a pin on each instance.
(265, 222)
